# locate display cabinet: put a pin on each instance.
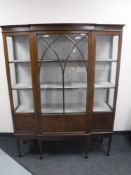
(63, 80)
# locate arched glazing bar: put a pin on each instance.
(62, 66)
(49, 46)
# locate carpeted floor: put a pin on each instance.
(66, 158)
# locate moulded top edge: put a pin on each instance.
(63, 24)
(62, 27)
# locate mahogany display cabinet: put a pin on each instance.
(63, 80)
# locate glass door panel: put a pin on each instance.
(20, 73)
(63, 72)
(51, 101)
(51, 87)
(50, 73)
(105, 71)
(75, 87)
(75, 100)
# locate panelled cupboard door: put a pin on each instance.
(63, 65)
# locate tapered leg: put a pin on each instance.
(19, 147)
(101, 140)
(87, 142)
(40, 148)
(109, 145)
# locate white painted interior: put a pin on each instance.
(70, 11)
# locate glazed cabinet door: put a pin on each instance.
(63, 65)
(63, 81)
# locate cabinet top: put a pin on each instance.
(62, 27)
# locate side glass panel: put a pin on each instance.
(20, 72)
(63, 72)
(105, 71)
(23, 101)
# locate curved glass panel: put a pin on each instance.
(20, 73)
(105, 71)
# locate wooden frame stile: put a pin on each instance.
(36, 80)
(34, 76)
(117, 69)
(33, 50)
(92, 75)
(53, 126)
(92, 71)
(90, 91)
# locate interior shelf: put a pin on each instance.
(106, 60)
(62, 60)
(22, 86)
(24, 109)
(69, 60)
(75, 85)
(19, 61)
(101, 107)
(66, 86)
(104, 85)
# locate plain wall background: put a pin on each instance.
(71, 11)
